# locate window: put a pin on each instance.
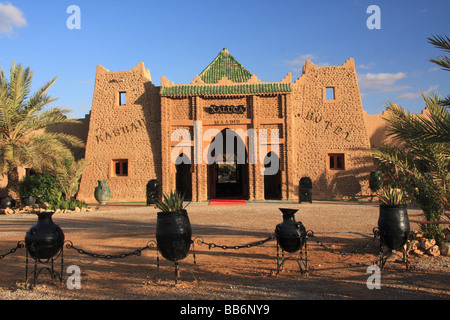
(329, 93)
(120, 168)
(336, 161)
(29, 172)
(122, 98)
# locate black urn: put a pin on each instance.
(8, 202)
(173, 234)
(152, 191)
(28, 200)
(290, 234)
(45, 239)
(393, 225)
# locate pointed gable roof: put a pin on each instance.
(225, 65)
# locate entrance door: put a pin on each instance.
(228, 175)
(183, 176)
(272, 182)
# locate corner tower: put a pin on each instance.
(123, 144)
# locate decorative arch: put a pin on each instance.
(228, 172)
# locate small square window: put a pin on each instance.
(336, 161)
(120, 168)
(329, 93)
(122, 98)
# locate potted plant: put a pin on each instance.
(173, 228)
(393, 221)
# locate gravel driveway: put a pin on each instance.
(231, 274)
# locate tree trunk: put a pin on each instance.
(13, 182)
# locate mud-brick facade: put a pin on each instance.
(313, 126)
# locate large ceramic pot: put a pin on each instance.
(173, 234)
(28, 200)
(291, 235)
(152, 191)
(8, 202)
(375, 180)
(393, 225)
(45, 239)
(305, 190)
(102, 192)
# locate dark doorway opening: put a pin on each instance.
(184, 176)
(272, 182)
(228, 174)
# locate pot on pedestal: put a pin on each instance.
(291, 235)
(45, 239)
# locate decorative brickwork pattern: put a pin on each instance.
(311, 127)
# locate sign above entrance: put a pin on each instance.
(226, 109)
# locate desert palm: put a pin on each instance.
(68, 173)
(443, 43)
(420, 165)
(23, 119)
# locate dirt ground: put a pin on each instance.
(233, 274)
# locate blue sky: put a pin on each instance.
(178, 39)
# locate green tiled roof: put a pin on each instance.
(183, 90)
(225, 65)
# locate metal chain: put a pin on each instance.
(20, 245)
(249, 245)
(310, 234)
(137, 252)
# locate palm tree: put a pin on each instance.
(420, 165)
(68, 174)
(23, 119)
(443, 43)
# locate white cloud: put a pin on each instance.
(379, 80)
(433, 69)
(10, 17)
(415, 95)
(300, 61)
(366, 66)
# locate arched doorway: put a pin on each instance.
(272, 182)
(183, 176)
(228, 174)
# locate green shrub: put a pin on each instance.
(44, 186)
(70, 204)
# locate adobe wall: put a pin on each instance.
(321, 127)
(128, 132)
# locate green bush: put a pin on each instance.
(44, 186)
(64, 204)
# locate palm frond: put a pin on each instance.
(434, 128)
(443, 43)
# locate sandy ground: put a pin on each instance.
(242, 274)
